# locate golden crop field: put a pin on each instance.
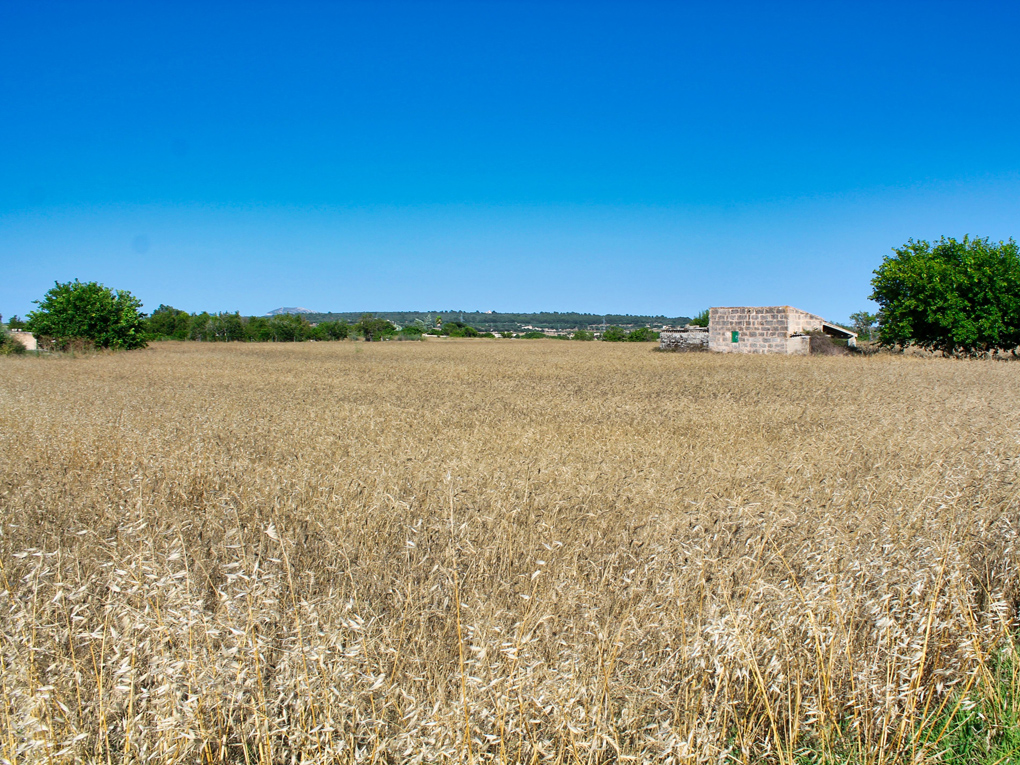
(505, 551)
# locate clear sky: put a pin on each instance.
(626, 157)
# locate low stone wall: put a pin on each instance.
(686, 339)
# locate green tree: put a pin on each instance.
(614, 334)
(89, 311)
(461, 330)
(16, 323)
(167, 322)
(228, 326)
(200, 327)
(289, 328)
(582, 334)
(701, 320)
(642, 335)
(864, 324)
(411, 332)
(958, 297)
(373, 329)
(334, 330)
(257, 329)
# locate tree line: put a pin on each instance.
(88, 314)
(518, 323)
(960, 297)
(169, 323)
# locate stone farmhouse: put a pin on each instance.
(768, 329)
(750, 329)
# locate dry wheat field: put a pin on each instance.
(505, 551)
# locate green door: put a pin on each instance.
(735, 336)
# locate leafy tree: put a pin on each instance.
(614, 334)
(334, 330)
(958, 297)
(864, 324)
(200, 327)
(89, 311)
(582, 334)
(534, 335)
(642, 335)
(289, 328)
(460, 330)
(168, 322)
(16, 323)
(258, 329)
(373, 329)
(411, 332)
(228, 327)
(701, 320)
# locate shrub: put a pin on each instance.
(614, 334)
(411, 332)
(642, 335)
(534, 335)
(582, 335)
(89, 312)
(459, 329)
(823, 345)
(8, 345)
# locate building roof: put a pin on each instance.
(834, 329)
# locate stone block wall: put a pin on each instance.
(802, 322)
(760, 329)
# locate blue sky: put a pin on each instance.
(605, 157)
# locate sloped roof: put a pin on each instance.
(834, 329)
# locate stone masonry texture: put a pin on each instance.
(687, 339)
(761, 329)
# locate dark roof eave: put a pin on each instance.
(833, 329)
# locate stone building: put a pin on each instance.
(768, 329)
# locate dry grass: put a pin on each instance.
(501, 551)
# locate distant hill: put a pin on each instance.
(499, 322)
(278, 311)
